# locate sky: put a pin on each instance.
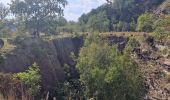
(76, 8)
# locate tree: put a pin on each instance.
(119, 12)
(4, 11)
(38, 15)
(62, 21)
(82, 21)
(107, 74)
(145, 23)
(69, 27)
(98, 22)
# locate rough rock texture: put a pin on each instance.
(121, 41)
(49, 55)
(1, 43)
(155, 70)
(52, 55)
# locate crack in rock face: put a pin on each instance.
(51, 56)
(1, 43)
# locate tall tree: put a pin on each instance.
(4, 11)
(121, 15)
(98, 22)
(38, 15)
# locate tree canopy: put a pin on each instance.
(145, 23)
(120, 15)
(107, 74)
(38, 15)
(4, 11)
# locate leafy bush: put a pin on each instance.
(145, 23)
(121, 15)
(107, 74)
(31, 78)
(92, 38)
(132, 43)
(162, 31)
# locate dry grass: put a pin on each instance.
(125, 33)
(138, 35)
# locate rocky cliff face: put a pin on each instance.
(1, 43)
(49, 55)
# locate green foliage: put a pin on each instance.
(145, 23)
(98, 22)
(107, 74)
(160, 34)
(82, 21)
(162, 26)
(70, 27)
(31, 78)
(120, 16)
(6, 28)
(38, 15)
(72, 87)
(62, 21)
(91, 38)
(4, 11)
(164, 21)
(132, 43)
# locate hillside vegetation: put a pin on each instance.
(118, 51)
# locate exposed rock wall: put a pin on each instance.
(120, 41)
(49, 55)
(1, 43)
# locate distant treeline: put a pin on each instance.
(121, 15)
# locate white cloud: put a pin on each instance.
(75, 9)
(71, 16)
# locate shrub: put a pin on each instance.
(132, 43)
(31, 78)
(162, 31)
(145, 23)
(107, 74)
